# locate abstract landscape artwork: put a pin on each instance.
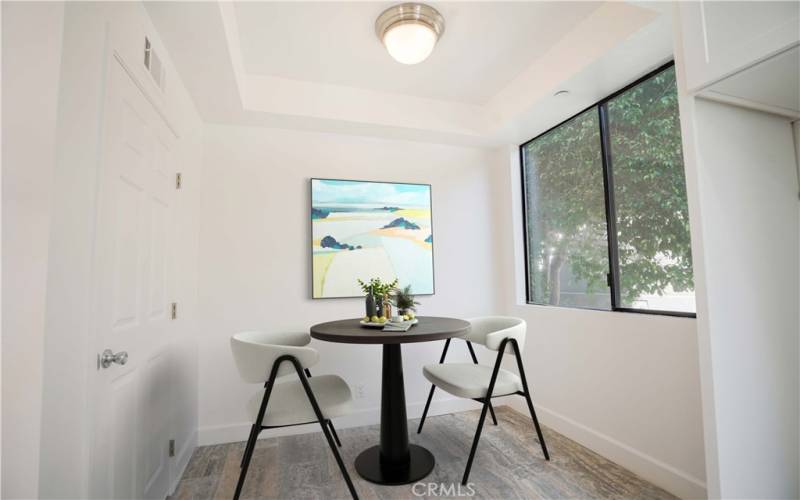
(363, 230)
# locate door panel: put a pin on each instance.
(128, 258)
(159, 215)
(156, 425)
(132, 403)
(123, 403)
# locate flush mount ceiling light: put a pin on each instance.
(409, 31)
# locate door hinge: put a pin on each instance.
(178, 180)
(174, 310)
(172, 447)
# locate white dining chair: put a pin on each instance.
(263, 357)
(481, 383)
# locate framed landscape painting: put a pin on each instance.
(363, 230)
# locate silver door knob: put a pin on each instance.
(108, 357)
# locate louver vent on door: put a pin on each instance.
(153, 64)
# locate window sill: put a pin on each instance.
(652, 312)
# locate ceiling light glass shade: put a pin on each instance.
(410, 31)
(409, 43)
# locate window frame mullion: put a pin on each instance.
(611, 212)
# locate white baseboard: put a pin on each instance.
(182, 460)
(676, 481)
(232, 433)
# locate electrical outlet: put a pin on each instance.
(359, 391)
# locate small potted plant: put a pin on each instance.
(406, 305)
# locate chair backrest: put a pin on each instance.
(491, 330)
(256, 351)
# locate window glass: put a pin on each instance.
(652, 218)
(565, 215)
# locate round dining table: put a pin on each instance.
(394, 460)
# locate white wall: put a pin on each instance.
(31, 44)
(91, 32)
(624, 384)
(742, 180)
(254, 262)
(747, 195)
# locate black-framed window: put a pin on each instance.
(605, 209)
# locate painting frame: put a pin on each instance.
(311, 232)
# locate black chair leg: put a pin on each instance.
(475, 361)
(251, 441)
(339, 461)
(536, 424)
(248, 454)
(323, 423)
(256, 429)
(333, 431)
(330, 422)
(425, 411)
(486, 404)
(491, 411)
(433, 388)
(528, 400)
(475, 443)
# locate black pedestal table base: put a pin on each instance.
(369, 467)
(394, 461)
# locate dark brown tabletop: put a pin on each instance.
(429, 328)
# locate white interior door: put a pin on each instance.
(133, 279)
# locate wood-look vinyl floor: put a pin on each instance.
(508, 465)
